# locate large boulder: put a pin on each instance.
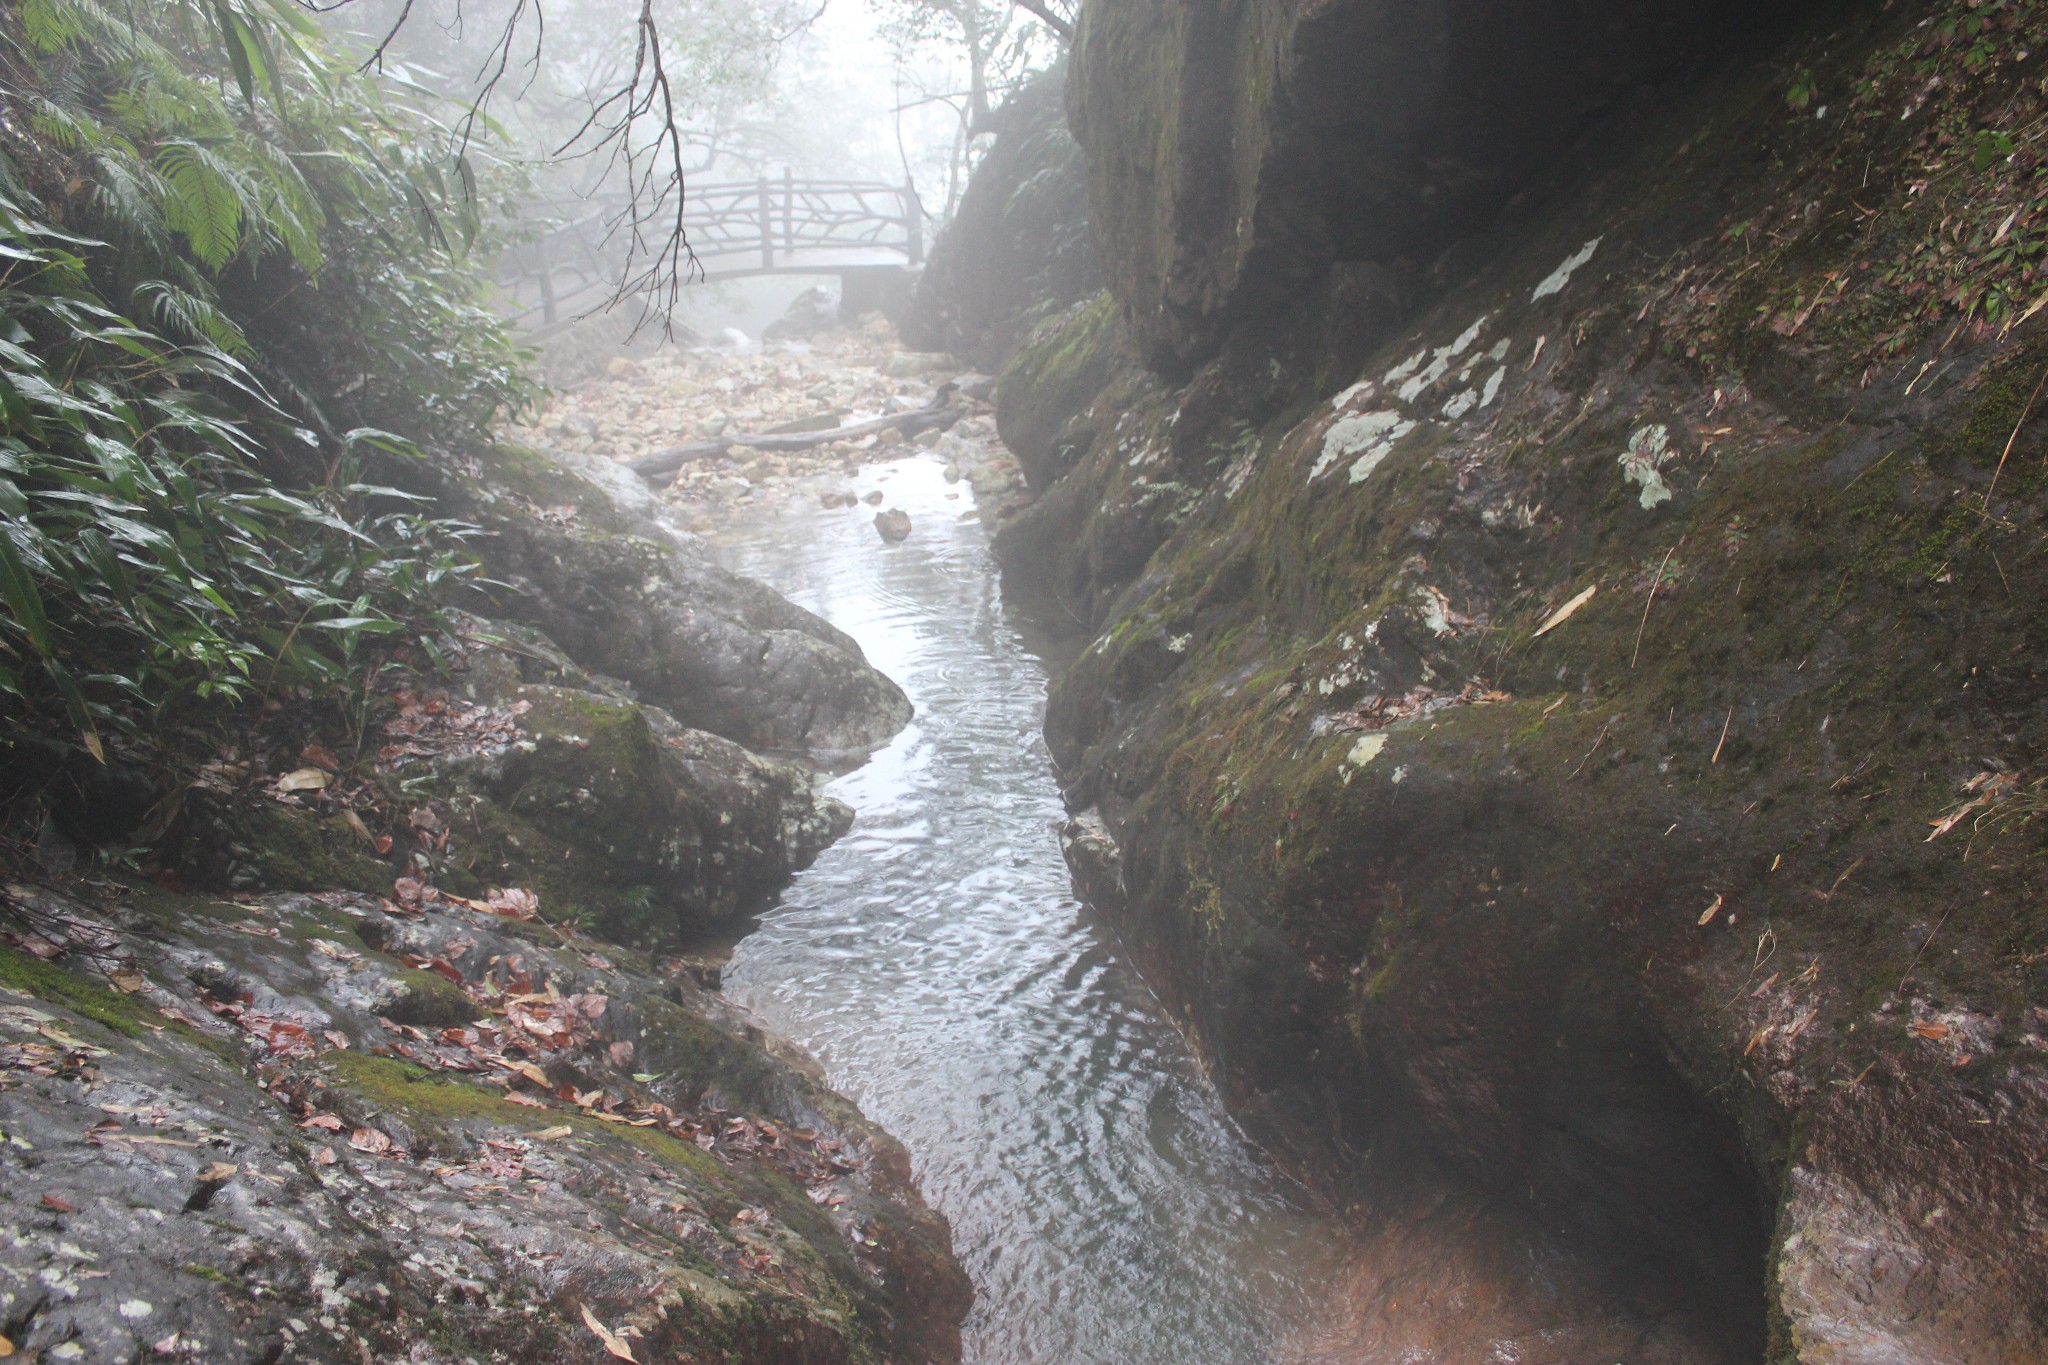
(579, 549)
(1237, 147)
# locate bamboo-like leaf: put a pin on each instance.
(24, 602)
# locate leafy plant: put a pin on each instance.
(229, 271)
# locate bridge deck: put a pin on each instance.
(779, 226)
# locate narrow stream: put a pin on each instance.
(936, 963)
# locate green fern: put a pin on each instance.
(205, 200)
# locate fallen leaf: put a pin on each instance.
(531, 1073)
(370, 1140)
(614, 1343)
(357, 827)
(325, 1157)
(1708, 914)
(1925, 1029)
(521, 1097)
(512, 903)
(217, 1172)
(6, 1347)
(336, 1037)
(51, 1201)
(382, 844)
(126, 981)
(560, 1130)
(303, 780)
(1564, 613)
(330, 1122)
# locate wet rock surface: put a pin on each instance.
(1568, 747)
(324, 1128)
(592, 560)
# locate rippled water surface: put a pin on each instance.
(937, 964)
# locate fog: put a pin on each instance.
(889, 91)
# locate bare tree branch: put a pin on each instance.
(1063, 29)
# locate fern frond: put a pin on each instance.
(204, 204)
(191, 316)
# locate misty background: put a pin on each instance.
(893, 91)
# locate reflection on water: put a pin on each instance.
(936, 963)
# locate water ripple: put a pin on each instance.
(935, 962)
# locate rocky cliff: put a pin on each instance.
(1554, 495)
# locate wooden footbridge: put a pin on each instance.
(862, 231)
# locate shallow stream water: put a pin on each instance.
(936, 963)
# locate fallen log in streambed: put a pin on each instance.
(663, 466)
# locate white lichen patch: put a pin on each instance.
(1348, 436)
(1556, 280)
(1434, 608)
(1239, 474)
(1647, 451)
(1440, 361)
(1363, 751)
(1178, 644)
(1491, 392)
(1362, 387)
(1406, 367)
(1462, 402)
(1362, 468)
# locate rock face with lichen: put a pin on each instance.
(311, 1127)
(1561, 718)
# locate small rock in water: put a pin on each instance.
(952, 473)
(618, 367)
(873, 499)
(894, 524)
(837, 498)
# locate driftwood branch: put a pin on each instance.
(663, 465)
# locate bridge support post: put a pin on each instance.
(767, 214)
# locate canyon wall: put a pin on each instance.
(1552, 499)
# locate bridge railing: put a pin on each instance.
(773, 225)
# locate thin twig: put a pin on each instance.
(1925, 946)
(2013, 440)
(1655, 583)
(1724, 737)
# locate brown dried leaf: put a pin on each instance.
(614, 1343)
(370, 1140)
(51, 1201)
